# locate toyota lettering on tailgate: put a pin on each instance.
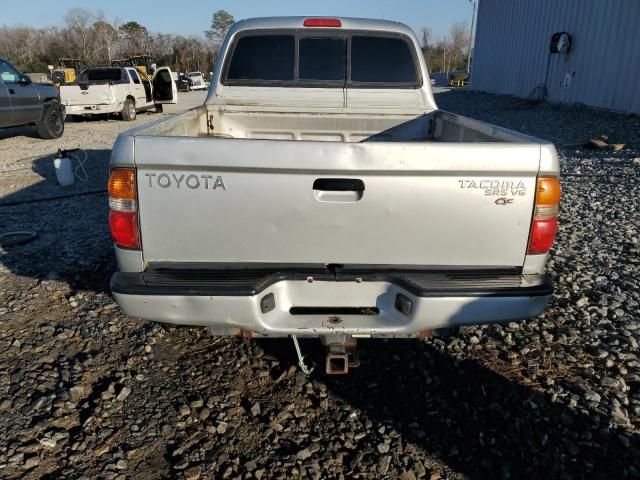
(192, 181)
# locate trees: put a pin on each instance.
(135, 39)
(95, 40)
(425, 38)
(106, 36)
(85, 35)
(458, 44)
(192, 54)
(161, 48)
(28, 48)
(80, 34)
(448, 53)
(221, 21)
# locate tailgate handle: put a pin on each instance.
(339, 185)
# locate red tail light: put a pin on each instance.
(545, 223)
(543, 233)
(124, 229)
(123, 204)
(322, 22)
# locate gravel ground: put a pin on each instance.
(26, 160)
(90, 393)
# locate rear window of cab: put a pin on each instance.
(102, 75)
(355, 60)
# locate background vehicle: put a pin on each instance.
(68, 69)
(320, 192)
(197, 81)
(184, 83)
(23, 102)
(143, 63)
(123, 90)
(458, 79)
(38, 77)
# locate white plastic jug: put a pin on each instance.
(64, 171)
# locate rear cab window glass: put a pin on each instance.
(382, 60)
(322, 59)
(101, 75)
(263, 58)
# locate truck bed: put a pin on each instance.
(425, 175)
(350, 127)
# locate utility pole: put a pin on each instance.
(473, 19)
(444, 54)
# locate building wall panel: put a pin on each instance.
(512, 45)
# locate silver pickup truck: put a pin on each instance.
(319, 192)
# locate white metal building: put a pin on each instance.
(600, 69)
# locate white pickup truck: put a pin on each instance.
(120, 90)
(197, 81)
(319, 192)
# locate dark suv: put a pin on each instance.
(23, 102)
(184, 83)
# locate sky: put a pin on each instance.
(193, 16)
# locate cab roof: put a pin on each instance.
(348, 23)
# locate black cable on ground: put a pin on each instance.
(537, 95)
(56, 197)
(540, 91)
(20, 237)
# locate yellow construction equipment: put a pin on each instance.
(142, 62)
(67, 71)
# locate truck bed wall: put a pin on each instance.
(437, 126)
(190, 123)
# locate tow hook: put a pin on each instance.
(337, 360)
(342, 354)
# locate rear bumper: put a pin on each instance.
(276, 304)
(93, 109)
